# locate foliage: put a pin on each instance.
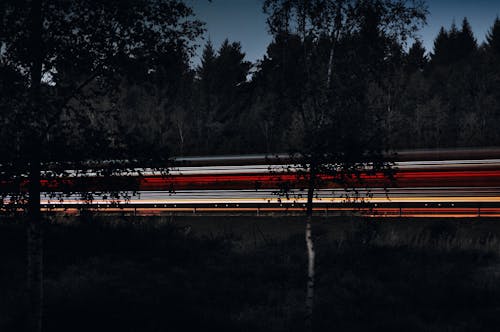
(177, 108)
(416, 59)
(90, 53)
(454, 45)
(71, 56)
(87, 46)
(221, 88)
(493, 37)
(344, 48)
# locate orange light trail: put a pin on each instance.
(419, 190)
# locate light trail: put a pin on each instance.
(408, 202)
(432, 188)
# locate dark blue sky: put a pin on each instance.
(243, 21)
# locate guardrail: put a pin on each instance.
(399, 209)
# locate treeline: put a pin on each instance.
(445, 98)
(416, 98)
(449, 98)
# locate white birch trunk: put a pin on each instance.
(310, 274)
(309, 303)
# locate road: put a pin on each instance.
(433, 188)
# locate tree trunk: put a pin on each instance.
(34, 223)
(310, 249)
(330, 65)
(35, 251)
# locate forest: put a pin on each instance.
(445, 97)
(415, 98)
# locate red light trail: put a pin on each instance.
(458, 188)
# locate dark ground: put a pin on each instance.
(248, 274)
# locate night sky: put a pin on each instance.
(243, 21)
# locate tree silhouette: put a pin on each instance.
(416, 59)
(278, 82)
(343, 45)
(440, 54)
(153, 105)
(493, 37)
(467, 43)
(221, 85)
(70, 56)
(454, 45)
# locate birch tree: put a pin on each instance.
(342, 52)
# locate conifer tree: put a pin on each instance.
(493, 38)
(221, 79)
(206, 68)
(440, 53)
(205, 84)
(466, 42)
(416, 59)
(454, 45)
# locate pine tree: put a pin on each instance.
(416, 59)
(221, 76)
(231, 72)
(466, 42)
(205, 83)
(206, 75)
(231, 67)
(205, 70)
(440, 54)
(454, 45)
(493, 38)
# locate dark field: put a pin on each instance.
(248, 274)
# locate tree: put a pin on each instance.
(153, 105)
(334, 139)
(441, 50)
(416, 59)
(206, 89)
(467, 43)
(70, 55)
(493, 37)
(222, 79)
(278, 82)
(454, 45)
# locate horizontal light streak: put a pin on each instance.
(275, 199)
(277, 168)
(375, 212)
(251, 178)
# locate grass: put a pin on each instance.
(248, 274)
